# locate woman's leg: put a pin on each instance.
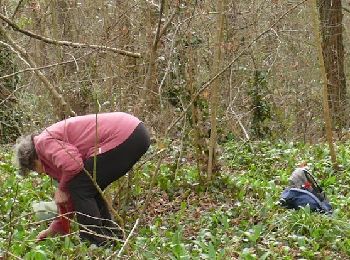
(92, 211)
(111, 229)
(83, 194)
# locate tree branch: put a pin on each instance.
(346, 9)
(67, 43)
(38, 68)
(167, 24)
(27, 59)
(127, 239)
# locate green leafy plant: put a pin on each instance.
(235, 217)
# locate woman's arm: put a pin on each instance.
(62, 155)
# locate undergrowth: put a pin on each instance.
(236, 216)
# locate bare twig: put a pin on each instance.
(14, 51)
(126, 241)
(67, 43)
(167, 24)
(86, 227)
(38, 68)
(240, 123)
(153, 4)
(12, 94)
(46, 238)
(15, 220)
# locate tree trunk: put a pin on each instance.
(333, 53)
(326, 107)
(214, 93)
(152, 54)
(196, 115)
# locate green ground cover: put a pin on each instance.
(235, 217)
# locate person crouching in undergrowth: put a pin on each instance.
(66, 151)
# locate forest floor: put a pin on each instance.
(236, 216)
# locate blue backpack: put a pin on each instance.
(304, 190)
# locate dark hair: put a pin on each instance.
(25, 154)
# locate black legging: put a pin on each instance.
(91, 208)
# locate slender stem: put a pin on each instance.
(10, 222)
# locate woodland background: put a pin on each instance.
(200, 74)
(273, 86)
